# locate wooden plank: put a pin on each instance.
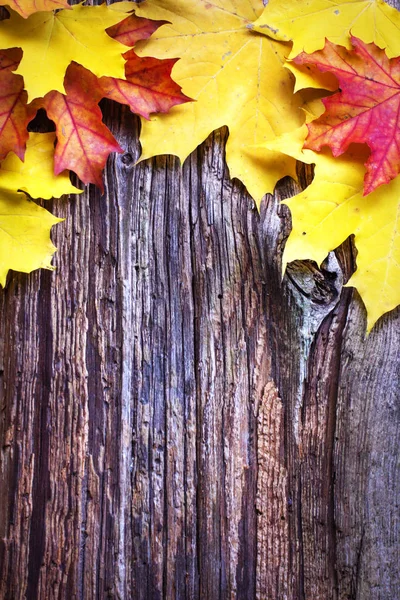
(175, 420)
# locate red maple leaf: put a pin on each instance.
(15, 114)
(148, 87)
(83, 141)
(10, 58)
(27, 7)
(132, 29)
(365, 110)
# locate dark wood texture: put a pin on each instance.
(177, 422)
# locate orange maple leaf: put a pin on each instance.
(27, 7)
(365, 110)
(10, 58)
(83, 141)
(15, 114)
(148, 87)
(132, 29)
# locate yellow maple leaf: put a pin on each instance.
(25, 243)
(333, 207)
(308, 76)
(307, 24)
(36, 174)
(237, 79)
(28, 7)
(51, 41)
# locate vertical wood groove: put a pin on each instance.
(177, 421)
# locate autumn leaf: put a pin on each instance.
(367, 108)
(308, 24)
(10, 59)
(378, 243)
(27, 7)
(51, 41)
(308, 76)
(15, 114)
(148, 86)
(237, 79)
(35, 175)
(333, 207)
(25, 244)
(83, 141)
(132, 29)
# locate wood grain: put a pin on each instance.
(177, 421)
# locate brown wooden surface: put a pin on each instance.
(175, 421)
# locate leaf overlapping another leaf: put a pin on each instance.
(25, 227)
(35, 175)
(147, 87)
(84, 142)
(237, 79)
(43, 48)
(333, 207)
(366, 110)
(132, 29)
(51, 41)
(15, 114)
(308, 24)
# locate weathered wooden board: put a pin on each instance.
(178, 422)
